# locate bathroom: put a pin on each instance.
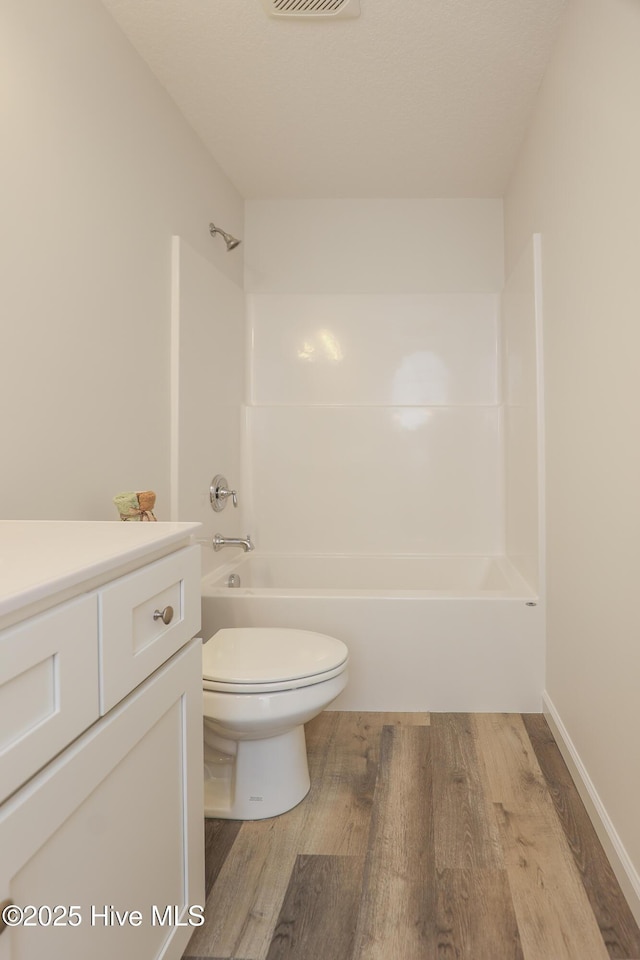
(108, 260)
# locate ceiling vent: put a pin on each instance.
(313, 8)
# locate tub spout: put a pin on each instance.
(219, 542)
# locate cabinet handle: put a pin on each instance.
(165, 615)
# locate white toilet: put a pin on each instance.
(260, 685)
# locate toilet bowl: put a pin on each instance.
(260, 686)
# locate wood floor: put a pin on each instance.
(424, 837)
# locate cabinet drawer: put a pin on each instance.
(48, 687)
(134, 639)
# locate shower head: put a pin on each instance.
(230, 241)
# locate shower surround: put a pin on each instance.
(391, 413)
(376, 419)
(375, 423)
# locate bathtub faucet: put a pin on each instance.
(219, 542)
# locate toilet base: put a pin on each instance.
(262, 778)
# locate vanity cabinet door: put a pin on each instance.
(114, 828)
(48, 687)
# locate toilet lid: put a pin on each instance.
(261, 655)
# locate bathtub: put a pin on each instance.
(424, 633)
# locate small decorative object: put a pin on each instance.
(136, 506)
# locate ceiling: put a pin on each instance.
(414, 98)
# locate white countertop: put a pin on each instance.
(40, 558)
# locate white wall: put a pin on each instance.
(208, 358)
(374, 246)
(521, 332)
(577, 183)
(374, 421)
(98, 170)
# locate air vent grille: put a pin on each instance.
(313, 8)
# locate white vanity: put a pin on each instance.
(101, 822)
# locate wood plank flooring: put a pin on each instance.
(423, 837)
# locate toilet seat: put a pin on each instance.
(265, 659)
(261, 686)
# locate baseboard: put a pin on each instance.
(626, 873)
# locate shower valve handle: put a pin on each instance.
(219, 492)
(223, 494)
